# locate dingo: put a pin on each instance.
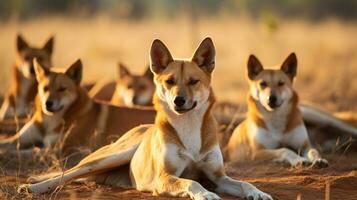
(62, 106)
(133, 89)
(128, 89)
(165, 157)
(19, 99)
(274, 121)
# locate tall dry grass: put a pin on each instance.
(327, 51)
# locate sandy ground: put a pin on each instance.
(283, 182)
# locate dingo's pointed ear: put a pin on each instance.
(254, 67)
(205, 55)
(160, 56)
(40, 71)
(289, 66)
(48, 47)
(122, 71)
(75, 71)
(21, 44)
(148, 73)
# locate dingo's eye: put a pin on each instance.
(193, 82)
(170, 81)
(281, 83)
(45, 88)
(263, 84)
(61, 89)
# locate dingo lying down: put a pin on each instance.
(65, 111)
(133, 89)
(129, 89)
(165, 157)
(274, 129)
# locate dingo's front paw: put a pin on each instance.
(23, 189)
(206, 196)
(320, 163)
(257, 195)
(300, 162)
(37, 188)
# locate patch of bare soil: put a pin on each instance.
(338, 181)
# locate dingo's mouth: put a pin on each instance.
(54, 110)
(183, 110)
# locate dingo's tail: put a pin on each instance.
(231, 115)
(320, 118)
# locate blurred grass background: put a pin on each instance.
(103, 32)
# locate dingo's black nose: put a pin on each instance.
(272, 99)
(49, 104)
(179, 101)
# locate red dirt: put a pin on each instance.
(282, 182)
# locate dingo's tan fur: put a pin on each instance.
(19, 99)
(133, 89)
(274, 129)
(165, 158)
(129, 89)
(64, 109)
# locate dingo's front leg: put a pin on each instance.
(174, 186)
(313, 155)
(214, 169)
(167, 177)
(281, 155)
(299, 140)
(240, 188)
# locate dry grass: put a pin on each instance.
(327, 51)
